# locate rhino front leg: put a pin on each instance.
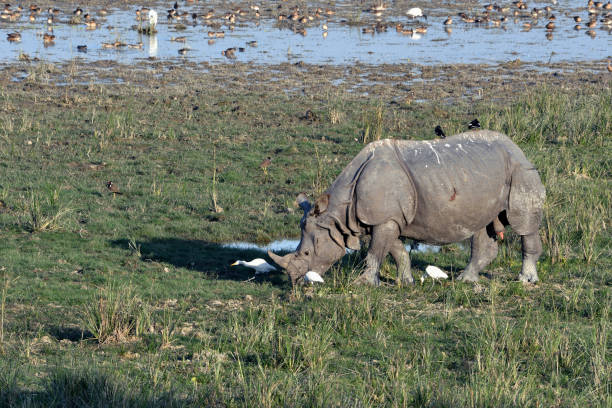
(532, 248)
(383, 238)
(484, 250)
(402, 260)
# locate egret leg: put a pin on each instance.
(484, 250)
(383, 238)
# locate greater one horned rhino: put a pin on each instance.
(438, 192)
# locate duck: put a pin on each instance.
(229, 53)
(550, 25)
(448, 21)
(577, 19)
(420, 30)
(91, 24)
(82, 48)
(13, 37)
(48, 38)
(258, 264)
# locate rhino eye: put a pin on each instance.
(306, 253)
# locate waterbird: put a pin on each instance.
(434, 272)
(439, 132)
(13, 37)
(259, 265)
(113, 188)
(415, 12)
(475, 124)
(48, 38)
(448, 21)
(152, 19)
(312, 277)
(82, 48)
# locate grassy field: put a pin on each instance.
(130, 300)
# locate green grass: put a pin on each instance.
(130, 301)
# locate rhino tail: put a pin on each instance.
(525, 201)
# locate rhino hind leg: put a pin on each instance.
(383, 238)
(402, 260)
(532, 248)
(484, 250)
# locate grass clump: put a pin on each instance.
(115, 314)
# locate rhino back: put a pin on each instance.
(462, 183)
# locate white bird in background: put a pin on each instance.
(152, 18)
(415, 12)
(312, 277)
(260, 265)
(434, 272)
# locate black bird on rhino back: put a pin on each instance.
(437, 192)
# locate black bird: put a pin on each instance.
(439, 132)
(475, 124)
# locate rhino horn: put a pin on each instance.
(282, 261)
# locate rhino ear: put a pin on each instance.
(321, 204)
(336, 235)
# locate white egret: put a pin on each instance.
(312, 277)
(152, 19)
(434, 272)
(415, 12)
(259, 265)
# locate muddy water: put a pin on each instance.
(344, 42)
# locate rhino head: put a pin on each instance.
(321, 243)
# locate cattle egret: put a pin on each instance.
(312, 277)
(415, 12)
(434, 272)
(259, 265)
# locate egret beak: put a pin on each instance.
(234, 264)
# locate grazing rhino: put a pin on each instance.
(437, 192)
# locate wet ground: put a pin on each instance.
(335, 33)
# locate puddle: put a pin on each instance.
(289, 245)
(276, 43)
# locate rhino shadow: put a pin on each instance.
(212, 259)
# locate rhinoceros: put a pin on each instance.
(437, 192)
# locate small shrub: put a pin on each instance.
(115, 314)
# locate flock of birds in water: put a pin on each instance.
(299, 20)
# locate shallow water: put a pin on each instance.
(290, 245)
(344, 44)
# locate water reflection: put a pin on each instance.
(153, 45)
